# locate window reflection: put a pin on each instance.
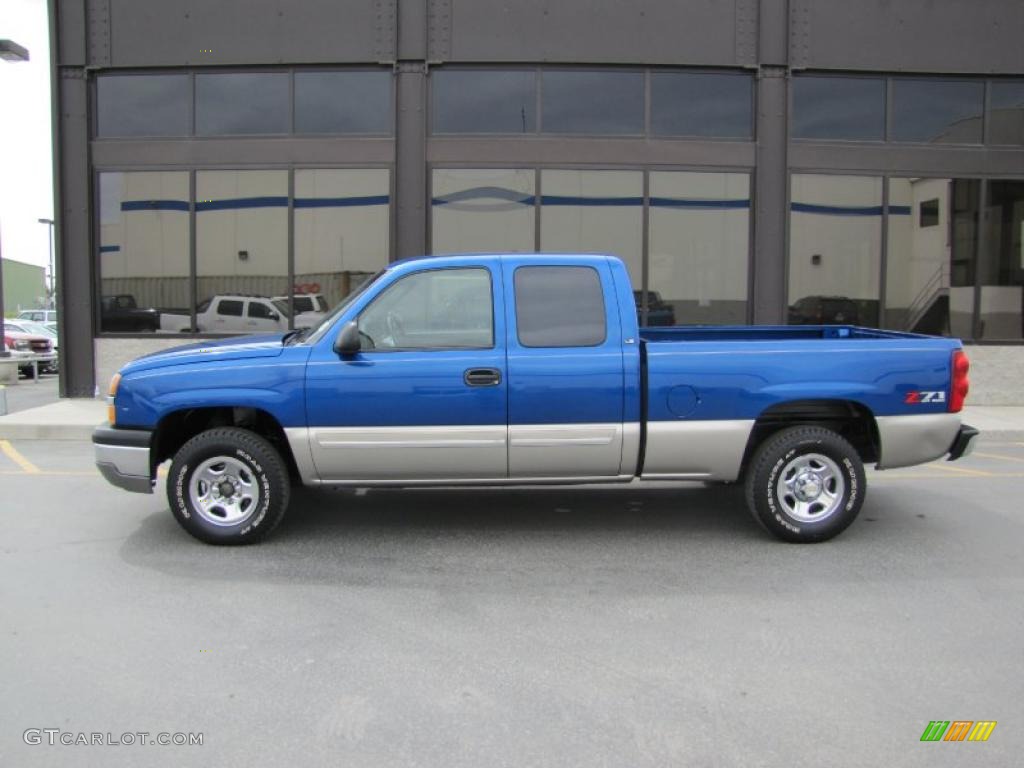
(341, 235)
(851, 108)
(593, 102)
(481, 101)
(699, 248)
(143, 105)
(238, 103)
(937, 111)
(343, 102)
(241, 250)
(701, 104)
(595, 212)
(835, 249)
(144, 252)
(1001, 272)
(930, 260)
(483, 209)
(1006, 112)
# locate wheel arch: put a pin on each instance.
(849, 418)
(178, 427)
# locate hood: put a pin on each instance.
(241, 348)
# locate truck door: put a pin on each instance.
(565, 370)
(426, 397)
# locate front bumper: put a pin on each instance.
(963, 445)
(122, 457)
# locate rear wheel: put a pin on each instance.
(805, 484)
(228, 486)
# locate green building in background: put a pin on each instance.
(24, 286)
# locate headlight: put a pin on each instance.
(111, 394)
(22, 345)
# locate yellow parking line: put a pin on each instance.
(48, 473)
(961, 470)
(998, 456)
(11, 453)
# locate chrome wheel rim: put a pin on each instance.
(810, 488)
(224, 491)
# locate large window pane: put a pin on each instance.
(240, 103)
(593, 102)
(1001, 272)
(1006, 112)
(341, 233)
(701, 104)
(930, 266)
(594, 211)
(242, 250)
(477, 101)
(560, 307)
(699, 248)
(343, 102)
(851, 108)
(143, 105)
(144, 252)
(937, 111)
(483, 209)
(835, 233)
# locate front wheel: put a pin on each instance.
(228, 486)
(805, 484)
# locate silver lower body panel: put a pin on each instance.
(696, 450)
(915, 439)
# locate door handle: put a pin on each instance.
(482, 377)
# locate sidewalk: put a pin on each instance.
(74, 419)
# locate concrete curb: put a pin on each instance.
(67, 419)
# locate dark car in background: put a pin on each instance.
(122, 313)
(824, 310)
(659, 312)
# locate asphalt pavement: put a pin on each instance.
(634, 626)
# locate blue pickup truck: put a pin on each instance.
(527, 369)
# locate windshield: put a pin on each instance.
(282, 307)
(316, 332)
(31, 326)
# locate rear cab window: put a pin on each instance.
(560, 306)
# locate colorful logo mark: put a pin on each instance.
(958, 730)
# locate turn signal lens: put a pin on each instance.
(960, 384)
(111, 394)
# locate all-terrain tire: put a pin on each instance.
(805, 484)
(240, 493)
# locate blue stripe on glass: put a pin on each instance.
(154, 205)
(109, 248)
(233, 204)
(899, 210)
(674, 202)
(340, 202)
(837, 210)
(511, 195)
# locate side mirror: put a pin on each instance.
(348, 341)
(275, 317)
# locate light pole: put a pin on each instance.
(9, 51)
(50, 296)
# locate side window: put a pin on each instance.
(560, 307)
(229, 307)
(434, 309)
(260, 310)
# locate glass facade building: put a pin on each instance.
(745, 171)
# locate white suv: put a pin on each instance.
(246, 314)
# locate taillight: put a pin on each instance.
(960, 384)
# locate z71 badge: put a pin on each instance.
(913, 398)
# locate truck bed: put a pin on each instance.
(767, 333)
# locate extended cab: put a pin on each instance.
(504, 369)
